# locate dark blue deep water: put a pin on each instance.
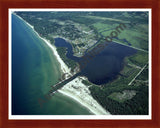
(34, 70)
(102, 67)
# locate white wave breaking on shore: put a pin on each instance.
(63, 66)
(75, 89)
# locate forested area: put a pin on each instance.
(138, 105)
(69, 25)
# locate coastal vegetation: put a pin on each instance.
(68, 25)
(70, 63)
(127, 94)
(137, 105)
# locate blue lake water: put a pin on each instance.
(35, 68)
(103, 66)
(106, 65)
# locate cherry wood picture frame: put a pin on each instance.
(106, 4)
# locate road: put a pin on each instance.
(137, 75)
(130, 46)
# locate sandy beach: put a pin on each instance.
(76, 90)
(63, 66)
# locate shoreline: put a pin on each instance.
(63, 66)
(83, 96)
(76, 90)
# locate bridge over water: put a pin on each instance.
(59, 85)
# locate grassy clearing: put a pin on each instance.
(104, 18)
(107, 33)
(102, 26)
(139, 59)
(122, 96)
(137, 35)
(136, 38)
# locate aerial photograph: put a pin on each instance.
(81, 62)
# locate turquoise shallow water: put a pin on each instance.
(34, 69)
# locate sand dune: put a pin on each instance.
(75, 88)
(80, 92)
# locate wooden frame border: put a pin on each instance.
(6, 4)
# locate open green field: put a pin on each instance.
(122, 96)
(136, 36)
(83, 30)
(106, 19)
(139, 59)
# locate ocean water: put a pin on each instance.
(34, 70)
